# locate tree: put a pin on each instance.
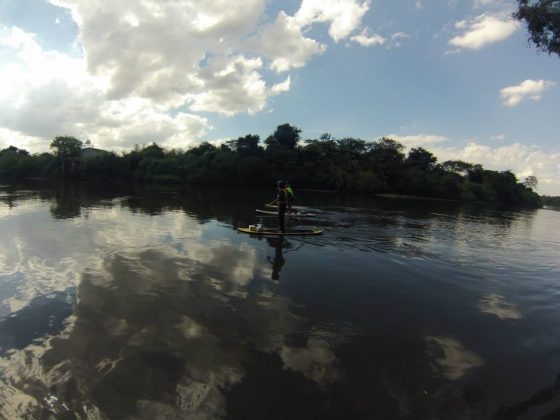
(66, 148)
(531, 182)
(285, 135)
(245, 146)
(543, 23)
(421, 158)
(457, 166)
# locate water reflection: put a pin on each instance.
(497, 305)
(45, 315)
(451, 359)
(66, 204)
(158, 334)
(143, 303)
(541, 398)
(278, 260)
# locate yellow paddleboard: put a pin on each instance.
(275, 232)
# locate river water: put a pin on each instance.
(139, 303)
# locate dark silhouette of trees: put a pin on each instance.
(457, 166)
(531, 182)
(347, 164)
(68, 150)
(551, 201)
(542, 18)
(246, 146)
(285, 135)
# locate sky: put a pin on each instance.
(457, 77)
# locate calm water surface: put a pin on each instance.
(135, 303)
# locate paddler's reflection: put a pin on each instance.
(278, 262)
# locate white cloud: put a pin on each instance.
(481, 4)
(284, 43)
(234, 85)
(521, 159)
(155, 49)
(366, 40)
(498, 137)
(45, 93)
(483, 30)
(397, 37)
(163, 60)
(532, 89)
(419, 140)
(344, 16)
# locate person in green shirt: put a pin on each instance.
(289, 196)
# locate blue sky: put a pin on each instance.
(455, 77)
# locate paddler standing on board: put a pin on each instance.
(281, 201)
(289, 196)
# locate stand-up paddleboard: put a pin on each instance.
(297, 208)
(275, 232)
(299, 213)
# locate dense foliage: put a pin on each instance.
(347, 164)
(543, 23)
(551, 201)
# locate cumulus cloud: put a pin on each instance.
(143, 69)
(284, 43)
(46, 93)
(366, 40)
(483, 30)
(343, 16)
(532, 89)
(523, 160)
(234, 85)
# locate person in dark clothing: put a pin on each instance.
(281, 201)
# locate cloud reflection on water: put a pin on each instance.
(159, 333)
(497, 305)
(451, 359)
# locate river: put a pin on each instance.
(142, 303)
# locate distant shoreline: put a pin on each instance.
(417, 197)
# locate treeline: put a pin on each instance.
(347, 164)
(550, 201)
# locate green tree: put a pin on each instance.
(457, 166)
(246, 146)
(285, 135)
(543, 23)
(420, 158)
(386, 158)
(67, 149)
